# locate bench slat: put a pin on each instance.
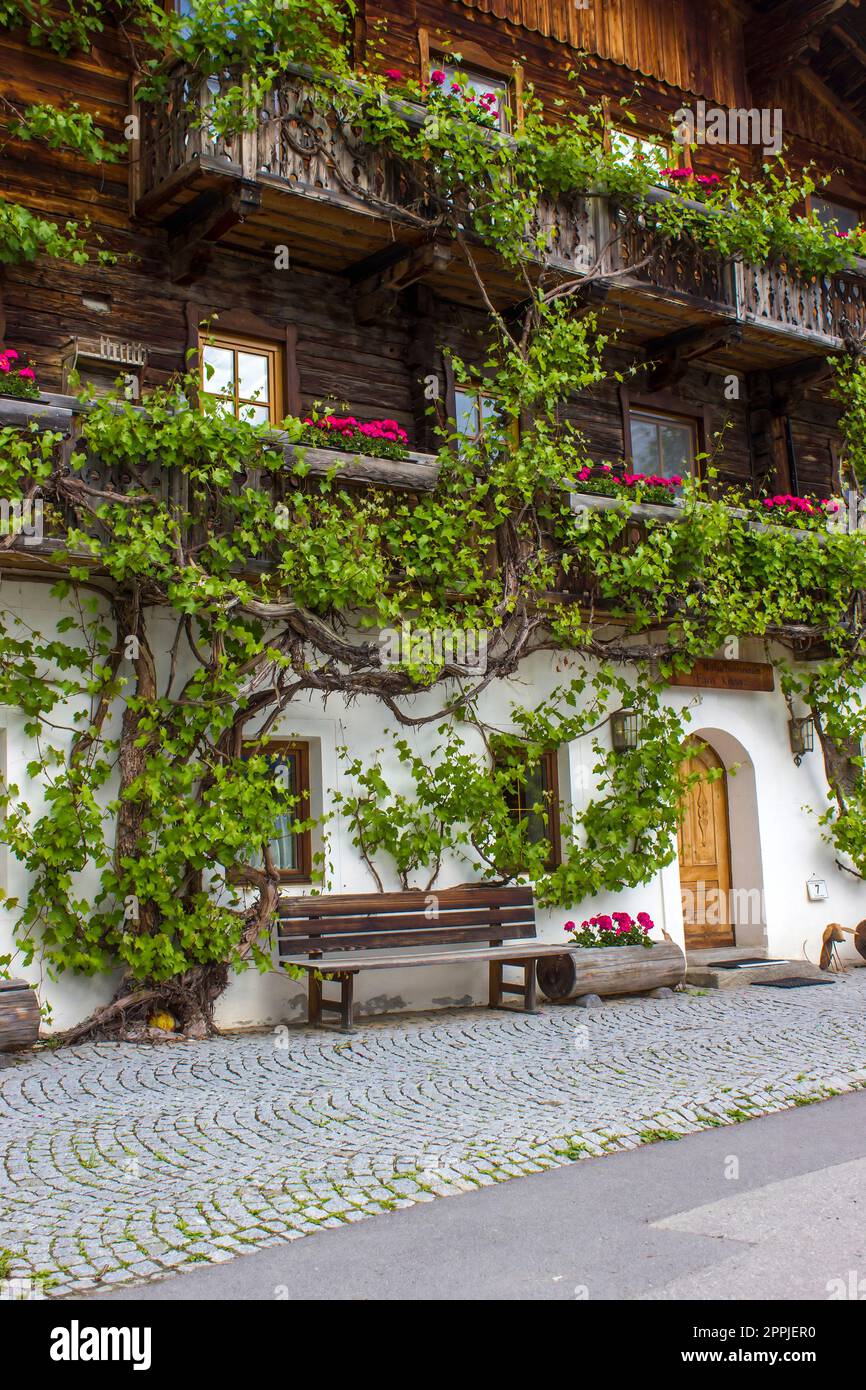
(376, 904)
(375, 940)
(382, 960)
(408, 921)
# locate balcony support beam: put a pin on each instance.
(786, 35)
(376, 294)
(671, 356)
(194, 231)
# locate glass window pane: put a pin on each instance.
(479, 86)
(253, 376)
(220, 405)
(625, 146)
(835, 215)
(284, 844)
(254, 414)
(491, 416)
(467, 414)
(645, 445)
(218, 369)
(535, 794)
(676, 450)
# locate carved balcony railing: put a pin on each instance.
(304, 141)
(94, 481)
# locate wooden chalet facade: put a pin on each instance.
(196, 227)
(298, 245)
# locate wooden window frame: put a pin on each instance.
(239, 323)
(478, 58)
(454, 388)
(303, 873)
(666, 405)
(549, 760)
(260, 348)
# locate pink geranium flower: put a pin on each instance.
(28, 373)
(437, 77)
(394, 74)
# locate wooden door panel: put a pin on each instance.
(705, 855)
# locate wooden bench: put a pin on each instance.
(334, 938)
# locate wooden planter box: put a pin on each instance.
(19, 1015)
(611, 970)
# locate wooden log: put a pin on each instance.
(19, 1015)
(611, 970)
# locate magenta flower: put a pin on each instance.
(394, 74)
(438, 77)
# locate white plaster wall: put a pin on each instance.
(775, 839)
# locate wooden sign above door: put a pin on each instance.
(728, 675)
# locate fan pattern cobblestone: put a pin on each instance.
(125, 1163)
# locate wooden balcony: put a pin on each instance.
(304, 178)
(63, 415)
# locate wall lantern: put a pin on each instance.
(625, 729)
(802, 735)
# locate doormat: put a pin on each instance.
(791, 983)
(748, 964)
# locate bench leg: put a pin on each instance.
(347, 1003)
(495, 984)
(529, 987)
(314, 999)
(527, 991)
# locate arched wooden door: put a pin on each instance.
(705, 854)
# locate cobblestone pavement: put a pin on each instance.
(123, 1163)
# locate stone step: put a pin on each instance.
(702, 975)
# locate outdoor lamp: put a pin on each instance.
(802, 735)
(625, 727)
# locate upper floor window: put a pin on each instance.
(242, 377)
(479, 417)
(490, 93)
(664, 445)
(629, 147)
(834, 216)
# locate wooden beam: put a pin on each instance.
(196, 228)
(673, 354)
(785, 36)
(377, 293)
(850, 42)
(819, 89)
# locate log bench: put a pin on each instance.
(335, 938)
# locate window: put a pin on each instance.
(662, 444)
(834, 216)
(479, 416)
(292, 853)
(477, 84)
(627, 147)
(539, 786)
(243, 378)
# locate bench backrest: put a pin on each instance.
(377, 921)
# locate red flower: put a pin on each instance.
(394, 73)
(437, 77)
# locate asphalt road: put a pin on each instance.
(769, 1209)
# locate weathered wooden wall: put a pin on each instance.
(372, 368)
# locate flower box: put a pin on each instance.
(610, 970)
(17, 378)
